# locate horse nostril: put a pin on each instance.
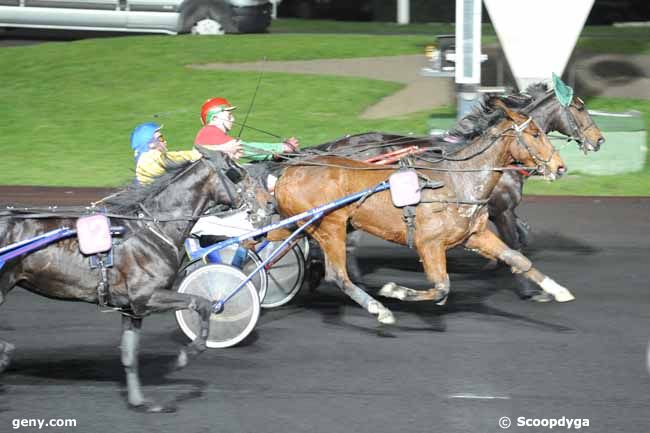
(600, 141)
(561, 170)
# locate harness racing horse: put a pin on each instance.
(146, 259)
(539, 102)
(455, 214)
(572, 120)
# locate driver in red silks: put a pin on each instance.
(217, 118)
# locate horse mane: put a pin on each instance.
(482, 117)
(128, 200)
(537, 90)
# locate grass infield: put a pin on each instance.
(68, 108)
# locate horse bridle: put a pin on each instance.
(519, 129)
(577, 133)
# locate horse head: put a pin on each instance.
(574, 121)
(531, 146)
(233, 185)
(558, 109)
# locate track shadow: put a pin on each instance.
(470, 294)
(101, 365)
(547, 241)
(177, 336)
(458, 261)
(3, 398)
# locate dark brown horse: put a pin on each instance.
(146, 259)
(540, 103)
(453, 215)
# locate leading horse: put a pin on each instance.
(453, 215)
(157, 217)
(569, 117)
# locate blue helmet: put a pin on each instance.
(141, 136)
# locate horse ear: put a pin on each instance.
(510, 114)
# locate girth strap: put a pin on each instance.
(103, 262)
(409, 218)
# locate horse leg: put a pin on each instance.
(490, 246)
(6, 348)
(434, 259)
(166, 300)
(6, 351)
(330, 235)
(507, 222)
(523, 230)
(352, 244)
(130, 345)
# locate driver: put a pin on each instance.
(218, 119)
(150, 152)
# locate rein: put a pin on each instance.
(517, 128)
(577, 133)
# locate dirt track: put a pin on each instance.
(321, 364)
(46, 196)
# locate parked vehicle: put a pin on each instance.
(203, 17)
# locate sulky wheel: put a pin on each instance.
(285, 277)
(239, 315)
(250, 263)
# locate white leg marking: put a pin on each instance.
(560, 293)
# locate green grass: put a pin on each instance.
(597, 39)
(630, 184)
(68, 109)
(620, 40)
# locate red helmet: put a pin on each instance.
(214, 106)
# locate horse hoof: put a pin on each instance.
(387, 290)
(151, 407)
(392, 290)
(6, 350)
(374, 307)
(386, 317)
(182, 360)
(564, 296)
(561, 294)
(443, 301)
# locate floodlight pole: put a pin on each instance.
(468, 54)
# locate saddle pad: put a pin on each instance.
(404, 188)
(94, 234)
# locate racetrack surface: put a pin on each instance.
(321, 364)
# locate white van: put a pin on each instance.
(204, 17)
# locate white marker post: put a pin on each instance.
(403, 11)
(468, 54)
(537, 37)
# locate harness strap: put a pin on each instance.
(102, 286)
(152, 225)
(409, 218)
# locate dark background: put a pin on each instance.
(603, 11)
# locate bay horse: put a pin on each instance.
(454, 215)
(146, 258)
(539, 102)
